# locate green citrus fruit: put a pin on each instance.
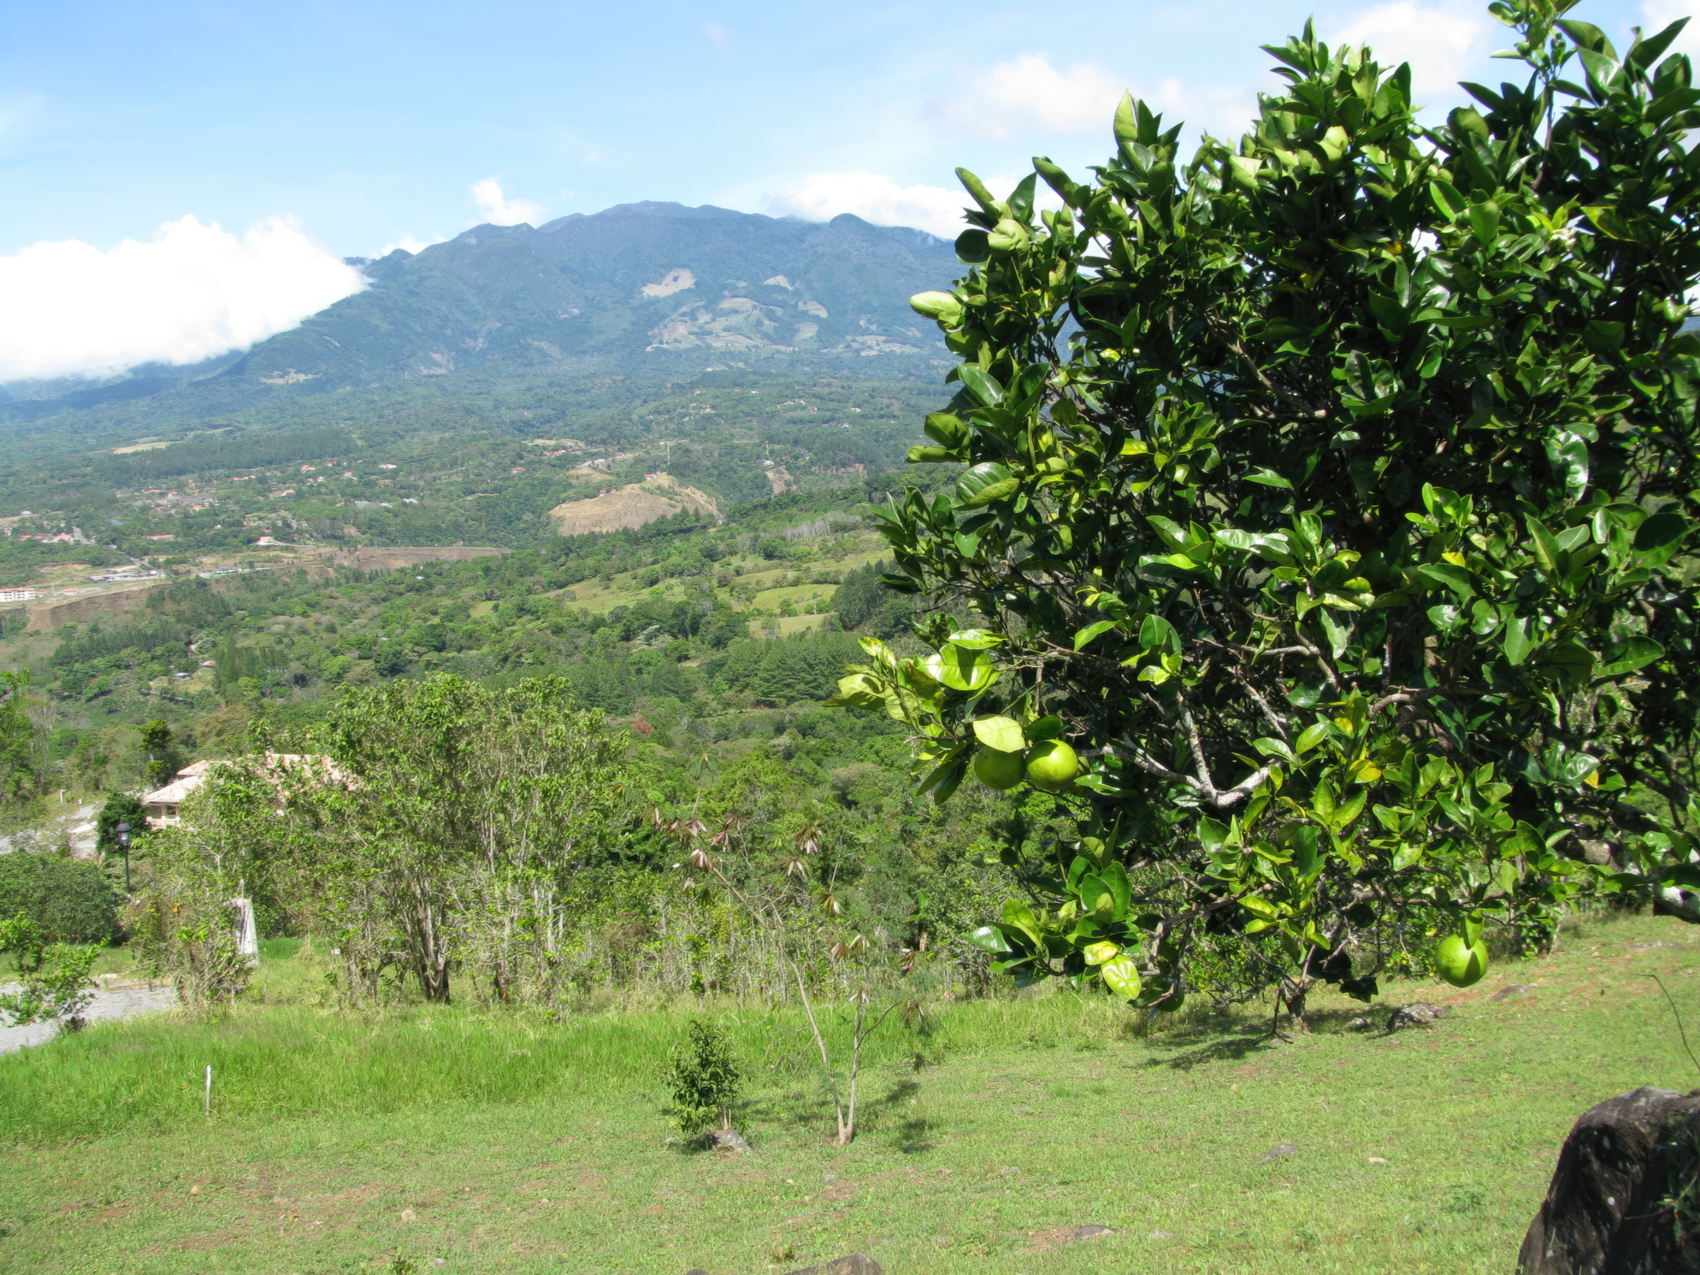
(1052, 765)
(1459, 963)
(997, 770)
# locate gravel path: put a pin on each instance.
(124, 1001)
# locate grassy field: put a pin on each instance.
(424, 1140)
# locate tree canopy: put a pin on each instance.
(1329, 496)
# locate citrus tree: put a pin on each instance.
(1323, 525)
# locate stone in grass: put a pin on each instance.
(1624, 1195)
(1091, 1232)
(1280, 1152)
(853, 1264)
(1412, 1015)
(727, 1139)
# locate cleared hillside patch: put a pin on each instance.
(631, 505)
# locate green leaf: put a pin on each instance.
(962, 669)
(975, 639)
(945, 307)
(1127, 129)
(988, 938)
(1516, 642)
(1630, 654)
(1311, 736)
(1156, 633)
(1099, 953)
(1121, 974)
(981, 384)
(1447, 201)
(1660, 534)
(984, 483)
(1115, 878)
(1452, 577)
(1018, 914)
(977, 188)
(946, 429)
(1001, 734)
(1095, 629)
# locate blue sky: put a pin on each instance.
(225, 155)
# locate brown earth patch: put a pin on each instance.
(630, 506)
(45, 616)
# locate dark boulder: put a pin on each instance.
(1625, 1198)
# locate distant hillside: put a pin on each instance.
(647, 290)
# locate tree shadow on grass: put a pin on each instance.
(1185, 1053)
(1203, 1037)
(805, 1108)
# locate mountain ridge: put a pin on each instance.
(649, 287)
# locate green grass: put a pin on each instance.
(784, 625)
(799, 594)
(509, 1142)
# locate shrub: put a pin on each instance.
(71, 901)
(703, 1079)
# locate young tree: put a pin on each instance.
(427, 824)
(164, 758)
(1326, 518)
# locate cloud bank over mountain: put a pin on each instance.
(873, 197)
(192, 291)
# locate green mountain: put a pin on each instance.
(654, 291)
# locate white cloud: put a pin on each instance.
(873, 197)
(1442, 42)
(716, 33)
(1656, 15)
(497, 209)
(1029, 95)
(192, 291)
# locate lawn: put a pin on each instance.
(455, 1140)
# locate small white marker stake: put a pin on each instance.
(206, 1106)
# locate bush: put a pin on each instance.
(187, 936)
(702, 1079)
(71, 901)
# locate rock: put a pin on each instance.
(854, 1264)
(1159, 1235)
(1359, 1024)
(1608, 1210)
(1514, 991)
(1378, 1159)
(726, 1140)
(1643, 947)
(1281, 1152)
(1091, 1232)
(1411, 1015)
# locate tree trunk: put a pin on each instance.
(1292, 996)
